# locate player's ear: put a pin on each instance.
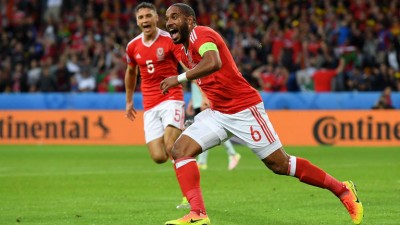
(137, 21)
(191, 20)
(157, 17)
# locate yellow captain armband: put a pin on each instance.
(207, 47)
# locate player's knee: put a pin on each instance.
(176, 152)
(168, 147)
(180, 150)
(159, 159)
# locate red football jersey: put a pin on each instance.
(157, 61)
(323, 80)
(226, 88)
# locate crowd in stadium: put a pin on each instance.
(279, 46)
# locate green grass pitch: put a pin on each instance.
(109, 185)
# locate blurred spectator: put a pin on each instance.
(34, 75)
(304, 76)
(111, 82)
(265, 77)
(74, 84)
(357, 80)
(46, 82)
(248, 64)
(72, 64)
(5, 82)
(6, 79)
(323, 77)
(393, 57)
(18, 79)
(385, 100)
(53, 9)
(86, 82)
(62, 77)
(369, 49)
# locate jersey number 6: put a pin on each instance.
(255, 134)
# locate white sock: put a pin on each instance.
(229, 147)
(292, 166)
(202, 158)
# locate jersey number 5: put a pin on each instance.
(178, 115)
(150, 66)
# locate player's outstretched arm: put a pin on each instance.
(130, 85)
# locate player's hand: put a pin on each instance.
(130, 112)
(168, 83)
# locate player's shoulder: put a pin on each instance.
(201, 29)
(164, 33)
(135, 40)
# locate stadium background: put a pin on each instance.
(69, 55)
(68, 155)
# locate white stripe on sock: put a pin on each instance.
(292, 166)
(183, 162)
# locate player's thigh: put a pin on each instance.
(167, 113)
(206, 131)
(254, 128)
(153, 127)
(170, 135)
(173, 114)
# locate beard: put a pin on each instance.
(184, 33)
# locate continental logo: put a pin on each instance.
(329, 130)
(63, 128)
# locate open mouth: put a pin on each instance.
(146, 26)
(174, 33)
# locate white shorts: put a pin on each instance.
(251, 125)
(156, 119)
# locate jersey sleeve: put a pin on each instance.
(204, 40)
(177, 51)
(332, 73)
(129, 57)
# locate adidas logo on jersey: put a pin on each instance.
(138, 56)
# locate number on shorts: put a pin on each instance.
(177, 116)
(255, 134)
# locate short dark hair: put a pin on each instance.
(146, 5)
(186, 10)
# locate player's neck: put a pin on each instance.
(150, 38)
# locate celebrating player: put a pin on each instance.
(235, 109)
(156, 56)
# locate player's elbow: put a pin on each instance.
(218, 64)
(215, 65)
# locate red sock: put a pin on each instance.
(183, 194)
(188, 176)
(310, 174)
